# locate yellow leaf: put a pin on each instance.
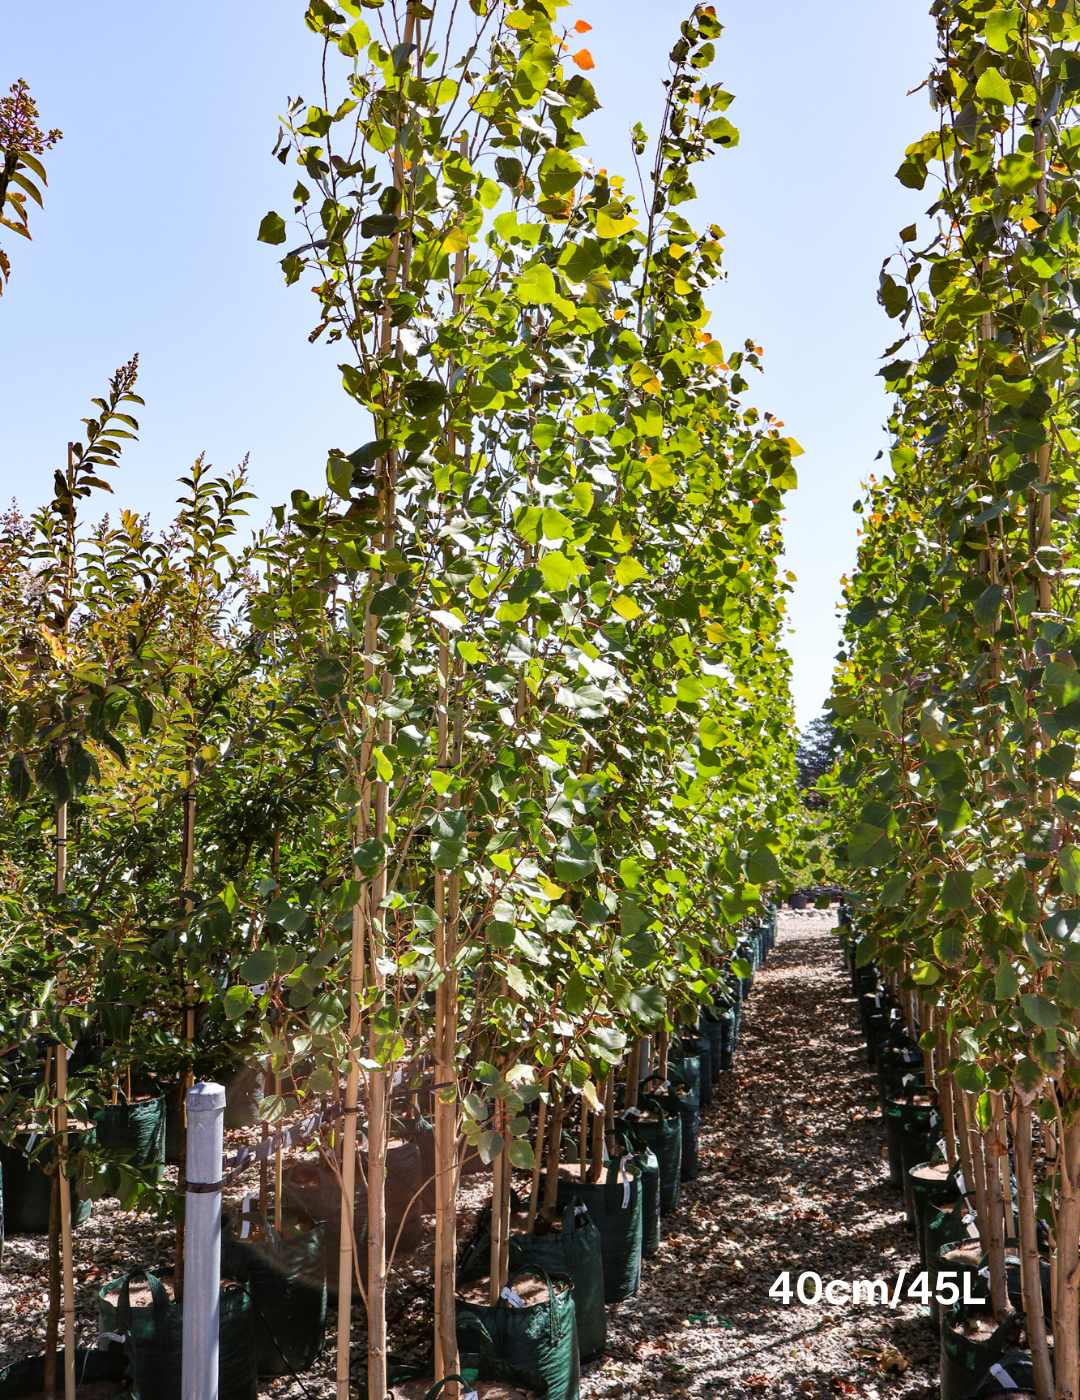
(589, 1094)
(627, 570)
(795, 449)
(456, 241)
(660, 473)
(550, 888)
(625, 606)
(519, 20)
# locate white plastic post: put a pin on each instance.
(202, 1241)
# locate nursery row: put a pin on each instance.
(572, 1241)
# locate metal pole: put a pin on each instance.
(202, 1241)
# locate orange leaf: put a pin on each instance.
(584, 59)
(582, 27)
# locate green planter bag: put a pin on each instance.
(649, 1179)
(663, 1134)
(286, 1277)
(912, 1111)
(26, 1187)
(576, 1250)
(615, 1207)
(154, 1339)
(532, 1346)
(135, 1129)
(27, 1377)
(967, 1356)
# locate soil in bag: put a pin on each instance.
(971, 1343)
(529, 1338)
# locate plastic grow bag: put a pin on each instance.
(533, 1346)
(286, 1277)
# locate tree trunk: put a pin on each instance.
(945, 1093)
(534, 1193)
(633, 1063)
(993, 1146)
(978, 1170)
(583, 1144)
(1067, 1263)
(498, 1167)
(551, 1178)
(52, 1321)
(596, 1170)
(347, 1242)
(1029, 1256)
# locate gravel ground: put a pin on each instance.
(793, 1178)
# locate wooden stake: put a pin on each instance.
(583, 1142)
(995, 1206)
(347, 1240)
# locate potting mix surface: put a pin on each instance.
(793, 1178)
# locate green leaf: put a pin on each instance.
(1044, 1013)
(559, 570)
(992, 85)
(237, 1001)
(20, 779)
(988, 605)
(953, 816)
(869, 846)
(559, 172)
(1068, 988)
(741, 968)
(956, 891)
(521, 1155)
(648, 1004)
(259, 966)
(949, 946)
(536, 285)
(1069, 869)
(1006, 982)
(1017, 173)
(575, 995)
(272, 229)
(984, 1111)
(925, 974)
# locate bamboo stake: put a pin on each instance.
(662, 1054)
(1029, 1255)
(583, 1142)
(504, 1209)
(67, 1262)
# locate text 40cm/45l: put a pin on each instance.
(810, 1290)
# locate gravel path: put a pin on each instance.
(793, 1178)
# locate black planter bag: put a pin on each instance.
(699, 1048)
(965, 1360)
(576, 1250)
(286, 1278)
(27, 1377)
(154, 1340)
(727, 1037)
(25, 1188)
(615, 1207)
(417, 1128)
(712, 1029)
(137, 1129)
(535, 1347)
(664, 1137)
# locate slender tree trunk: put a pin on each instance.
(534, 1193)
(554, 1152)
(974, 1140)
(504, 1208)
(992, 1148)
(187, 881)
(347, 1240)
(609, 1112)
(945, 1093)
(498, 1167)
(583, 1142)
(1067, 1263)
(596, 1170)
(662, 1054)
(1029, 1256)
(633, 1064)
(52, 1321)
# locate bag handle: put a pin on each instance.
(157, 1292)
(436, 1389)
(538, 1271)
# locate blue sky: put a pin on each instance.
(147, 243)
